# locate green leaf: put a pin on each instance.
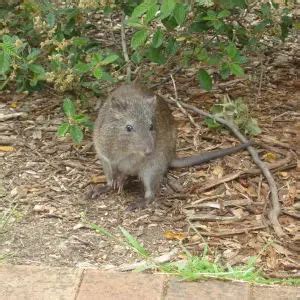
(82, 68)
(4, 62)
(172, 46)
(141, 9)
(262, 25)
(35, 68)
(231, 50)
(224, 14)
(179, 13)
(252, 127)
(96, 58)
(80, 41)
(156, 55)
(133, 22)
(102, 230)
(139, 38)
(50, 18)
(106, 76)
(33, 55)
(167, 8)
(211, 123)
(98, 73)
(76, 133)
(151, 13)
(80, 119)
(205, 3)
(107, 10)
(136, 57)
(69, 107)
(202, 54)
(214, 60)
(158, 38)
(109, 59)
(170, 23)
(134, 243)
(199, 27)
(225, 71)
(63, 129)
(236, 69)
(204, 79)
(230, 4)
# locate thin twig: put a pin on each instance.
(180, 106)
(12, 116)
(260, 77)
(124, 48)
(254, 171)
(153, 261)
(275, 210)
(196, 230)
(232, 232)
(175, 89)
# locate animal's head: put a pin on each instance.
(132, 119)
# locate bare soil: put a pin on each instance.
(44, 213)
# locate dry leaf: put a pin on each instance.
(13, 105)
(7, 148)
(284, 174)
(79, 226)
(173, 235)
(218, 171)
(269, 157)
(200, 173)
(42, 208)
(98, 179)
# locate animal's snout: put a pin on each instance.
(148, 150)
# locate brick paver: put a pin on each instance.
(207, 290)
(98, 285)
(46, 283)
(38, 283)
(275, 293)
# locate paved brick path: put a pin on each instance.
(43, 283)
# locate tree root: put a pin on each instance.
(275, 209)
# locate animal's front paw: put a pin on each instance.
(96, 191)
(118, 183)
(137, 205)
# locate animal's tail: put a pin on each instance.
(198, 159)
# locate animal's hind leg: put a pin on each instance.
(151, 179)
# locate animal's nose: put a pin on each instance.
(148, 150)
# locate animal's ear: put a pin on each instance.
(118, 104)
(151, 100)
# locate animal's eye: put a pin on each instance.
(129, 128)
(151, 127)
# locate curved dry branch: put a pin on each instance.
(275, 210)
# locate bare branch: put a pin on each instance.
(275, 210)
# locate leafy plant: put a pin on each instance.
(42, 42)
(75, 122)
(235, 111)
(195, 267)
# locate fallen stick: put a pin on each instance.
(275, 209)
(157, 260)
(232, 232)
(12, 116)
(230, 177)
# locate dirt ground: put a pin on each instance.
(44, 214)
